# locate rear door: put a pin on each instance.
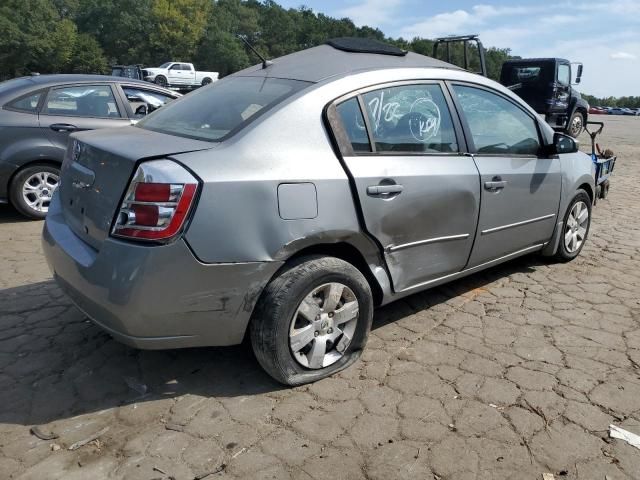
(418, 194)
(520, 187)
(73, 108)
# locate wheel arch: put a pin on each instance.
(587, 188)
(27, 164)
(344, 251)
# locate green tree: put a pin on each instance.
(178, 27)
(87, 56)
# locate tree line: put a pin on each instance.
(87, 36)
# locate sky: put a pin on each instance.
(604, 35)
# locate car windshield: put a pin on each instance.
(165, 65)
(219, 110)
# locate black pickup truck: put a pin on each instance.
(545, 84)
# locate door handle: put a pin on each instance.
(384, 189)
(495, 184)
(63, 127)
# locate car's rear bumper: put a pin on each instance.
(154, 297)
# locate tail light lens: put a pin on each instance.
(157, 203)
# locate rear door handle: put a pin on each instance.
(384, 189)
(63, 127)
(495, 184)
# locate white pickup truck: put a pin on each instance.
(178, 75)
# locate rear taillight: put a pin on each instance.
(157, 203)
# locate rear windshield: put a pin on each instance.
(217, 111)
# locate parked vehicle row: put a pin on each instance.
(38, 113)
(287, 201)
(614, 111)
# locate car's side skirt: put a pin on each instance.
(454, 276)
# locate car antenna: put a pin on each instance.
(265, 62)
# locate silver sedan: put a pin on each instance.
(287, 201)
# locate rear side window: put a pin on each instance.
(353, 124)
(497, 125)
(28, 103)
(411, 118)
(217, 111)
(82, 101)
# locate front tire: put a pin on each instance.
(576, 124)
(312, 320)
(161, 81)
(575, 228)
(32, 188)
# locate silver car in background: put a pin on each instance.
(286, 203)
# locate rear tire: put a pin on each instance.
(575, 228)
(206, 81)
(32, 188)
(284, 339)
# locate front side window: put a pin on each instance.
(144, 99)
(411, 118)
(353, 124)
(82, 101)
(28, 103)
(215, 112)
(564, 74)
(497, 125)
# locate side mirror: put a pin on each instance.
(142, 110)
(564, 143)
(579, 73)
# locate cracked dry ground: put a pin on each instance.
(507, 374)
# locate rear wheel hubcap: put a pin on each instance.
(38, 190)
(323, 326)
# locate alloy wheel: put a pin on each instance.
(576, 228)
(38, 190)
(323, 326)
(576, 125)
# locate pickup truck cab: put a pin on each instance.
(179, 75)
(545, 84)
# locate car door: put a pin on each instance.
(72, 108)
(520, 186)
(188, 73)
(174, 74)
(418, 194)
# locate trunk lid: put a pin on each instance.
(96, 172)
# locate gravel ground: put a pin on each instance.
(509, 373)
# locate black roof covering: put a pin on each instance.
(324, 61)
(365, 45)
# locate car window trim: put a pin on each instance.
(123, 96)
(43, 93)
(347, 149)
(467, 130)
(114, 92)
